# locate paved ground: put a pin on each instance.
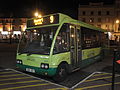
(7, 55)
(15, 80)
(76, 80)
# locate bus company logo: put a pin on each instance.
(30, 59)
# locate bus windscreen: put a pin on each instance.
(37, 41)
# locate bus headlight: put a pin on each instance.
(44, 66)
(19, 61)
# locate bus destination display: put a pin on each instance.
(52, 19)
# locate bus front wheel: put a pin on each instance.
(61, 73)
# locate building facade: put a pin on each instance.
(103, 16)
(10, 27)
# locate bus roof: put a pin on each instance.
(56, 19)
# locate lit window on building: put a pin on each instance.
(107, 27)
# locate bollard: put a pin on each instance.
(113, 68)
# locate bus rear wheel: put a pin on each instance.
(61, 73)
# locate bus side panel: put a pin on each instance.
(59, 58)
(90, 56)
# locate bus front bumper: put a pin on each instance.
(37, 70)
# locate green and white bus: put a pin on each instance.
(56, 45)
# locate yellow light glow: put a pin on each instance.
(23, 27)
(9, 27)
(38, 21)
(1, 29)
(34, 30)
(51, 19)
(39, 16)
(72, 35)
(36, 14)
(117, 21)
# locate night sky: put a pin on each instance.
(26, 8)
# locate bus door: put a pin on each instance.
(79, 49)
(75, 49)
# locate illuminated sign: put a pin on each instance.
(52, 19)
(38, 21)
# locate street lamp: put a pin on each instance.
(37, 15)
(117, 21)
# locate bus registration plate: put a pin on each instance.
(30, 70)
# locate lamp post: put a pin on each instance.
(10, 28)
(117, 25)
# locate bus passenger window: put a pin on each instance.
(62, 40)
(90, 38)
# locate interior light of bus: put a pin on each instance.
(51, 19)
(38, 21)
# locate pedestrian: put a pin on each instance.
(0, 37)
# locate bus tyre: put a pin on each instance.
(61, 73)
